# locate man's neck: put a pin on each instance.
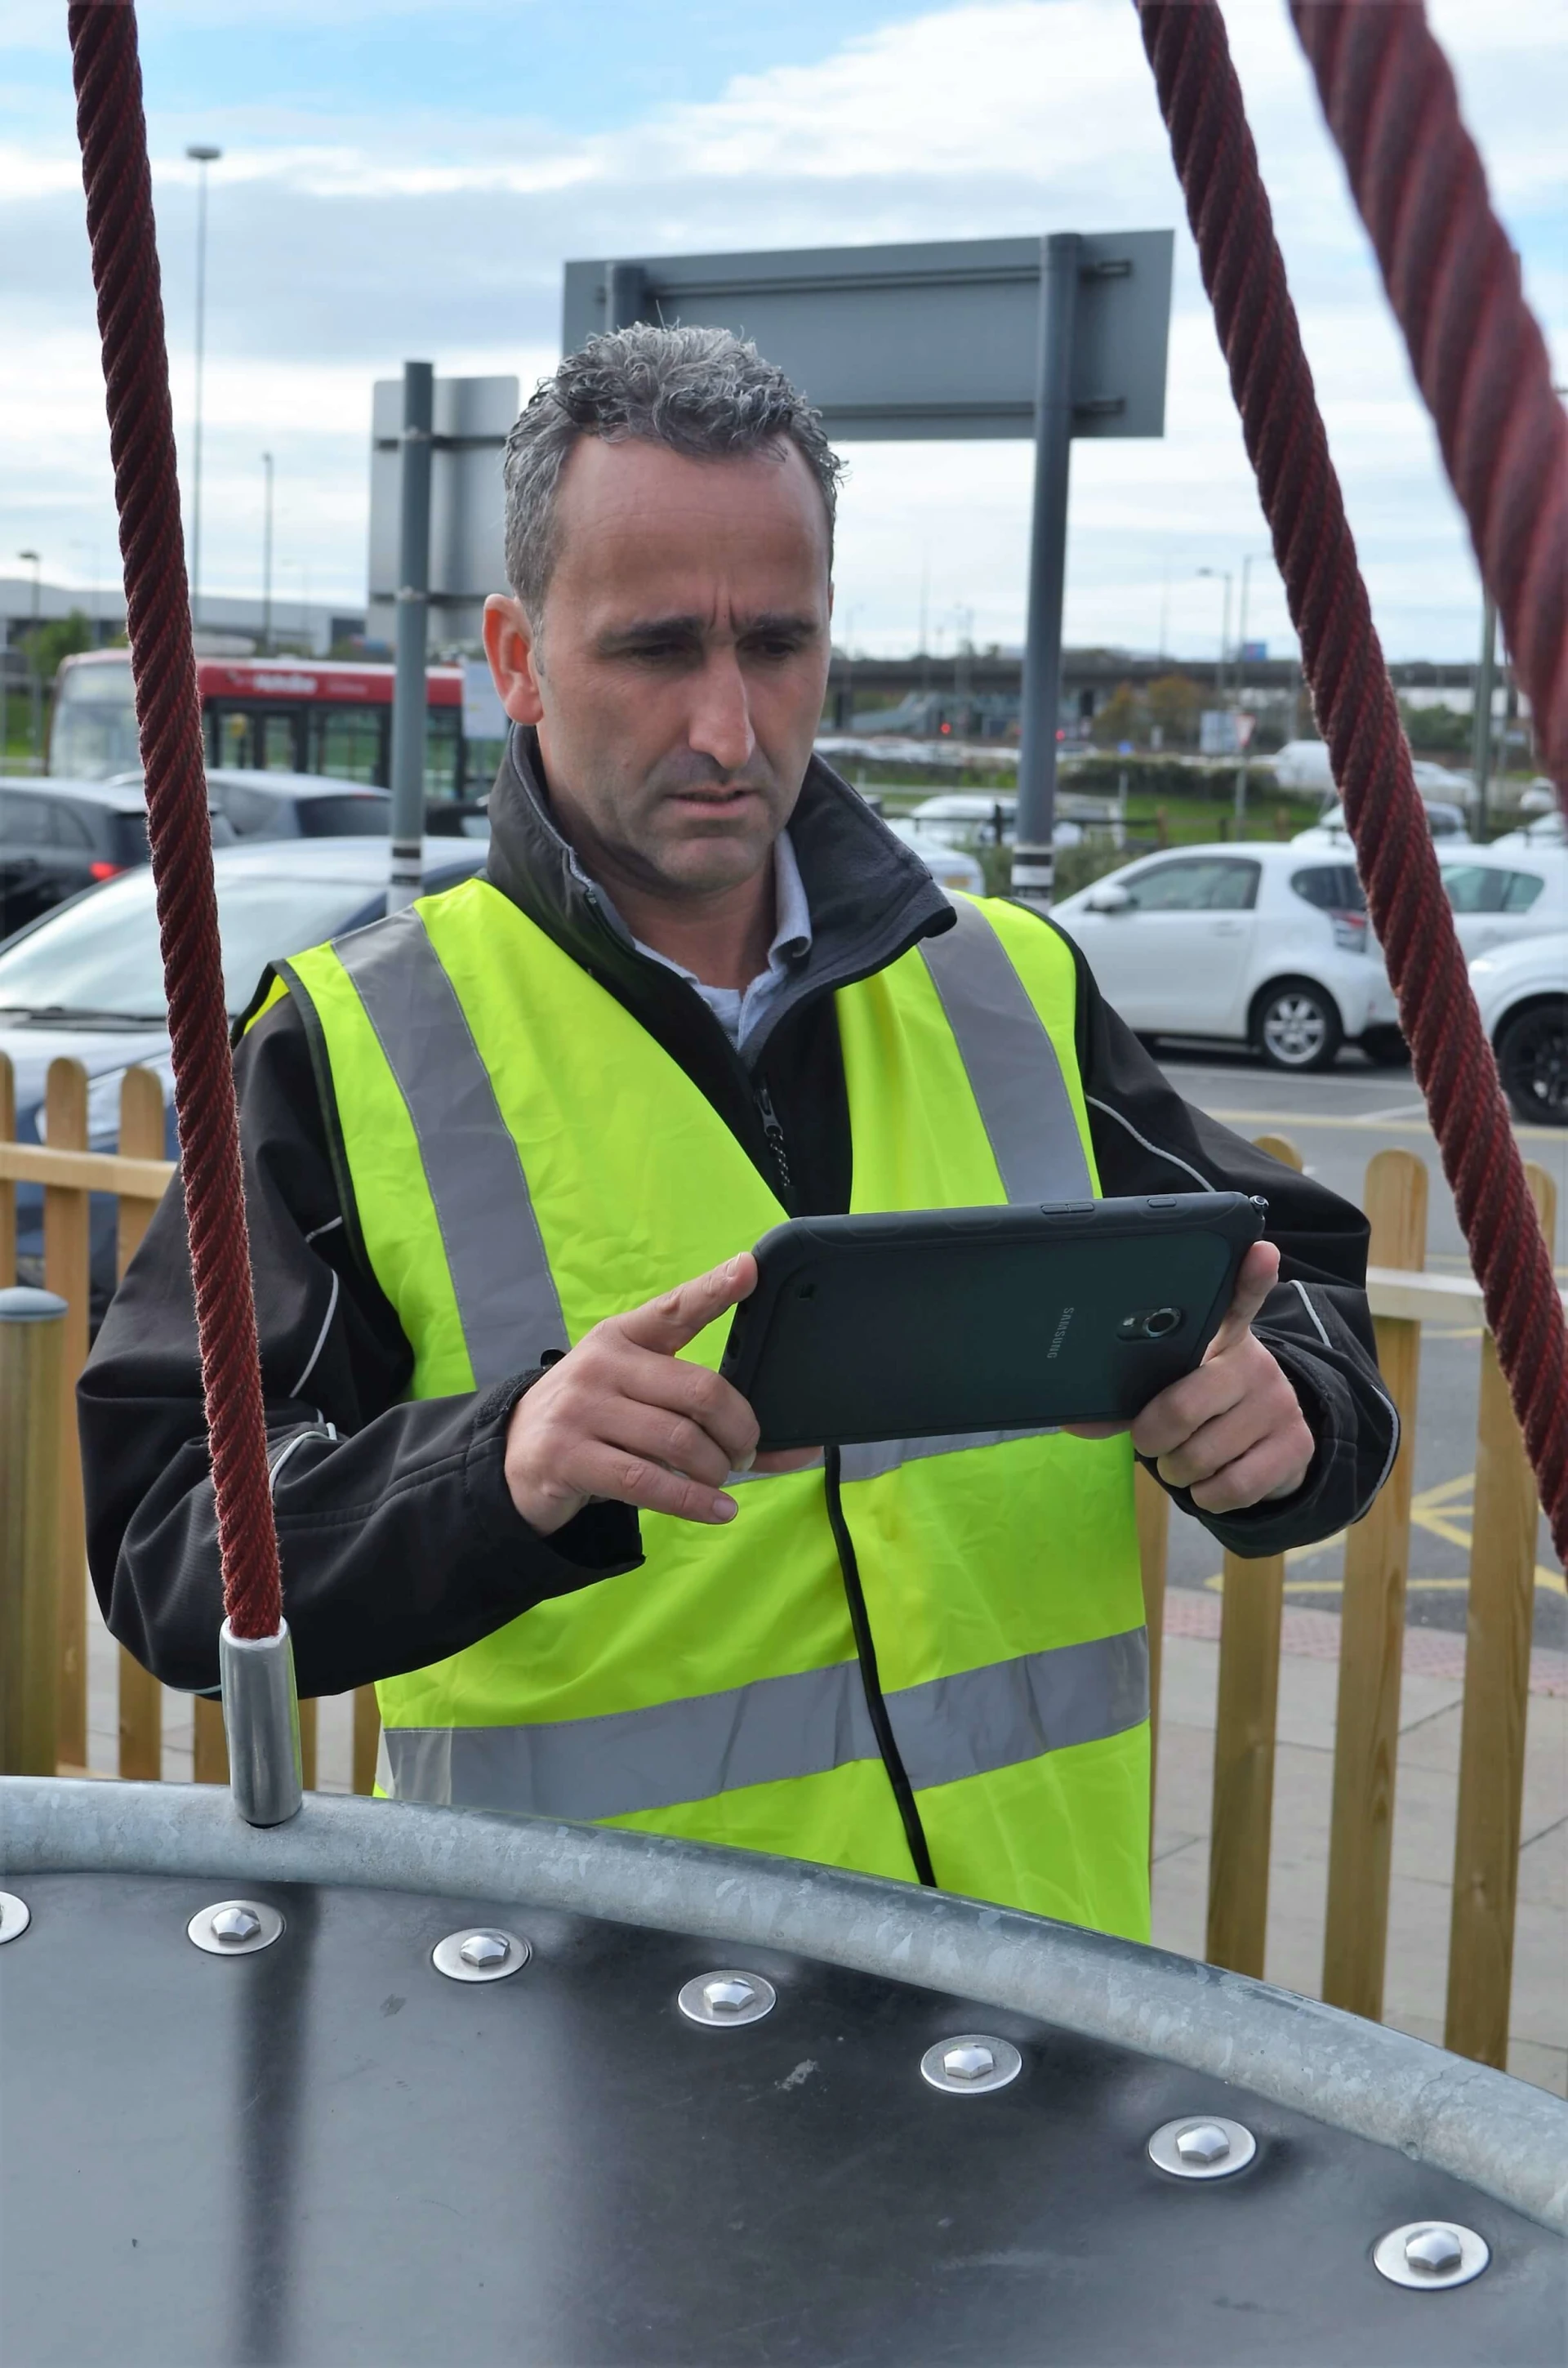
(723, 938)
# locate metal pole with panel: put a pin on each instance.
(1034, 861)
(409, 695)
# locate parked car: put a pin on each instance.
(297, 805)
(1304, 765)
(1522, 990)
(1251, 943)
(971, 817)
(58, 837)
(1446, 824)
(1546, 830)
(87, 981)
(1503, 893)
(950, 866)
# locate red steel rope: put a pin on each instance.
(1476, 349)
(1243, 273)
(117, 177)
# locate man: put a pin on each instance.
(504, 1155)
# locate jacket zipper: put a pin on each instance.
(775, 1135)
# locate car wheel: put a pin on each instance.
(1296, 1025)
(1532, 1054)
(1385, 1048)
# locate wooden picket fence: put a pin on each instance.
(1377, 1564)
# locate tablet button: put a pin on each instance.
(1161, 1200)
(1067, 1208)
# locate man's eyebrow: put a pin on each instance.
(692, 628)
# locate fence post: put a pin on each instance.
(8, 1189)
(209, 1745)
(1372, 1648)
(141, 1696)
(367, 1738)
(1253, 1608)
(1491, 1728)
(65, 1216)
(32, 1376)
(1152, 1508)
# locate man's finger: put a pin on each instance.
(704, 1398)
(1255, 1278)
(667, 1323)
(631, 1479)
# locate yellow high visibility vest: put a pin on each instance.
(526, 1160)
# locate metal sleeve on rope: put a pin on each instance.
(1243, 273)
(117, 179)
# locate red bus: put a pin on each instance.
(275, 715)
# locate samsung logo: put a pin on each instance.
(1060, 1333)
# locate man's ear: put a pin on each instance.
(510, 647)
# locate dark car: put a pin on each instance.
(57, 836)
(297, 805)
(87, 982)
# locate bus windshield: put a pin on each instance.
(93, 733)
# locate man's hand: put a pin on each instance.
(621, 1415)
(1232, 1432)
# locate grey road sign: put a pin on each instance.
(1048, 339)
(470, 417)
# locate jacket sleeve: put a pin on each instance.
(1315, 1321)
(399, 1540)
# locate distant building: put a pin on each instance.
(229, 626)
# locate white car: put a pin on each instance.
(1546, 830)
(980, 817)
(1522, 990)
(1446, 824)
(1253, 942)
(1506, 892)
(1304, 765)
(950, 866)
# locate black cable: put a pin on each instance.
(865, 1646)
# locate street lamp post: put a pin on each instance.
(1247, 564)
(266, 561)
(201, 156)
(1221, 575)
(34, 671)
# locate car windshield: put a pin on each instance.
(99, 959)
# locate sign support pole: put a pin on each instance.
(409, 719)
(1034, 862)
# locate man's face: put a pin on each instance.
(678, 673)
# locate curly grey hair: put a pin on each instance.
(701, 391)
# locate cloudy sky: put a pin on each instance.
(403, 179)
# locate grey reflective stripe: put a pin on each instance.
(873, 1458)
(1010, 1062)
(506, 1294)
(777, 1729)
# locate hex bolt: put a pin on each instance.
(1435, 2252)
(1202, 2147)
(968, 2063)
(233, 1925)
(727, 1998)
(1430, 2255)
(480, 1952)
(971, 2065)
(1207, 2145)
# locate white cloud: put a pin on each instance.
(410, 232)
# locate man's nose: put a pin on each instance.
(720, 716)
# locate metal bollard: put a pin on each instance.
(32, 1377)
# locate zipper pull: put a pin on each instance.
(775, 1135)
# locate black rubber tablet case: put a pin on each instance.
(930, 1322)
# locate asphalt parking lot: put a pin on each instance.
(1339, 1119)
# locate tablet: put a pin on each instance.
(936, 1322)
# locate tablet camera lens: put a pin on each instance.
(1151, 1324)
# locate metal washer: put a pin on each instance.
(447, 1958)
(1390, 2259)
(199, 1929)
(15, 1915)
(1163, 2150)
(696, 2003)
(1005, 2064)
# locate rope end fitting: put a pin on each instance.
(261, 1721)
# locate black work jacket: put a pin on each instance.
(400, 1542)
